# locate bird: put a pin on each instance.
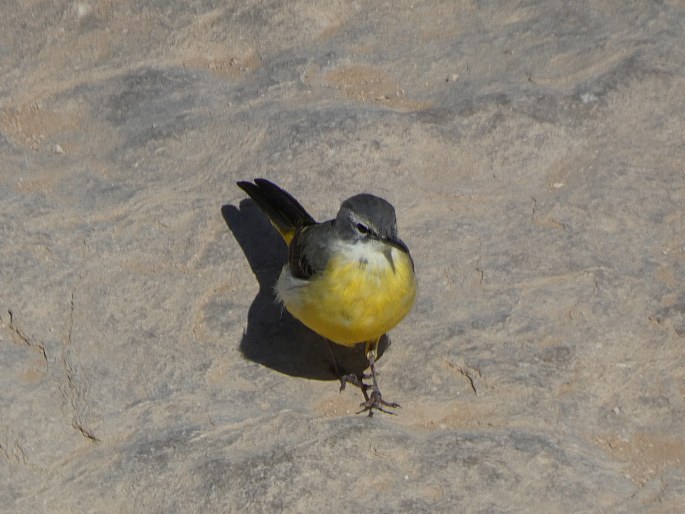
(349, 279)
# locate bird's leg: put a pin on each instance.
(375, 400)
(346, 378)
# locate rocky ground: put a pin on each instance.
(534, 152)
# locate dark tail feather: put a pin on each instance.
(285, 213)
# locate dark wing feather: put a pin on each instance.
(310, 250)
(285, 213)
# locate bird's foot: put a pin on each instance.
(375, 401)
(355, 381)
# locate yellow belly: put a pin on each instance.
(350, 302)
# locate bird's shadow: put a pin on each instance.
(273, 337)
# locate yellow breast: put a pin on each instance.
(360, 296)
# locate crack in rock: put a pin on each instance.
(26, 339)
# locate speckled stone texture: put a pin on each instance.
(534, 152)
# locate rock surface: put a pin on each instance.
(534, 152)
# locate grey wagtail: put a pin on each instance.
(350, 279)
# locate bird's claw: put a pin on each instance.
(376, 401)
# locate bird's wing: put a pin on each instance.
(310, 250)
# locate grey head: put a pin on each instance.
(368, 217)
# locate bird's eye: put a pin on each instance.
(363, 229)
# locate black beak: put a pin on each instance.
(397, 243)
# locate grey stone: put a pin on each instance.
(534, 154)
